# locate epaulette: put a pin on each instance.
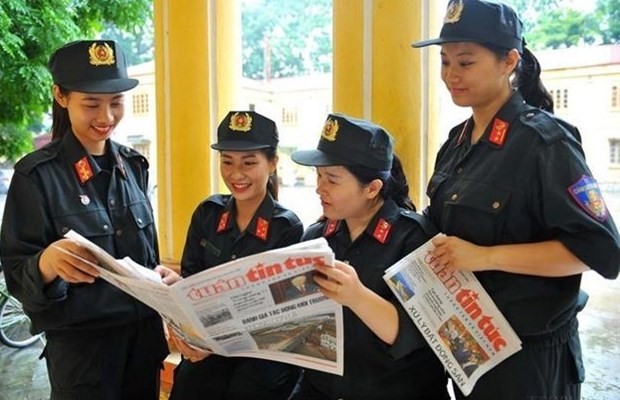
(219, 199)
(132, 154)
(425, 223)
(550, 128)
(281, 212)
(29, 162)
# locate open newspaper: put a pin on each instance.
(455, 315)
(264, 306)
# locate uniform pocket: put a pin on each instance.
(476, 211)
(91, 223)
(142, 215)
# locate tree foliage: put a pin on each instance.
(286, 38)
(30, 30)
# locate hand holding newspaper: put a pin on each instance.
(264, 306)
(455, 315)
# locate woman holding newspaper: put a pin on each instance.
(101, 343)
(520, 208)
(370, 223)
(226, 227)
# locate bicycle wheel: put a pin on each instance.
(15, 325)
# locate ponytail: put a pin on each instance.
(60, 118)
(528, 82)
(395, 184)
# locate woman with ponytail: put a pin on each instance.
(370, 223)
(228, 226)
(517, 202)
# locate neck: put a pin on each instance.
(246, 210)
(358, 224)
(483, 114)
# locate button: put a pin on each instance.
(139, 220)
(65, 229)
(454, 197)
(459, 170)
(407, 211)
(529, 115)
(345, 261)
(105, 227)
(112, 202)
(496, 205)
(233, 257)
(119, 232)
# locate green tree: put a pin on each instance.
(563, 27)
(30, 30)
(286, 37)
(608, 12)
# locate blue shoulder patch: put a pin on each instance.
(588, 196)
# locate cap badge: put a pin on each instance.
(101, 54)
(453, 13)
(240, 122)
(330, 130)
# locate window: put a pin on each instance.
(140, 104)
(560, 98)
(615, 97)
(289, 116)
(614, 151)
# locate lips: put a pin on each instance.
(102, 130)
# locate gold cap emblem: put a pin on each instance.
(453, 13)
(101, 54)
(330, 129)
(240, 122)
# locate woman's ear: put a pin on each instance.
(512, 61)
(59, 96)
(374, 188)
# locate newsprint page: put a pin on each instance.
(455, 314)
(263, 306)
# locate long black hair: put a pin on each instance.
(60, 117)
(395, 184)
(273, 186)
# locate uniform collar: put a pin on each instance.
(258, 226)
(82, 162)
(378, 228)
(497, 132)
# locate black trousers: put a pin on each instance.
(548, 367)
(119, 363)
(218, 377)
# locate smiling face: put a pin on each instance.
(93, 116)
(342, 196)
(475, 76)
(246, 174)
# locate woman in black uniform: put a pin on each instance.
(226, 227)
(370, 223)
(101, 343)
(520, 208)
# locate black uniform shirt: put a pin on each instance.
(55, 189)
(524, 182)
(214, 238)
(372, 368)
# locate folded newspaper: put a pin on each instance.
(455, 315)
(263, 306)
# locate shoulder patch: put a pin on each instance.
(219, 199)
(29, 162)
(546, 125)
(588, 196)
(133, 155)
(425, 223)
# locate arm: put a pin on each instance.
(550, 258)
(342, 284)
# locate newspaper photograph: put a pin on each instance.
(455, 315)
(264, 306)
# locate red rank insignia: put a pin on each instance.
(498, 132)
(83, 169)
(262, 228)
(382, 230)
(223, 224)
(330, 228)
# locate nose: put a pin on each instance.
(449, 74)
(105, 114)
